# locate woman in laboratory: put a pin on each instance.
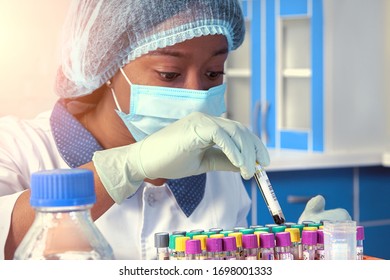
(141, 95)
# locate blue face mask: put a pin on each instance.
(153, 107)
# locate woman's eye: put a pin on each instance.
(169, 76)
(214, 75)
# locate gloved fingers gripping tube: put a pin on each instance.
(240, 146)
(120, 177)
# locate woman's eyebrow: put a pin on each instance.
(176, 53)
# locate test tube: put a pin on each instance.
(320, 253)
(202, 239)
(226, 232)
(359, 242)
(268, 194)
(179, 232)
(283, 246)
(296, 245)
(161, 243)
(172, 246)
(262, 229)
(229, 245)
(267, 246)
(214, 248)
(216, 230)
(271, 226)
(289, 224)
(250, 246)
(247, 231)
(238, 236)
(307, 223)
(309, 243)
(193, 249)
(277, 229)
(180, 245)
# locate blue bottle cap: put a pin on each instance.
(62, 187)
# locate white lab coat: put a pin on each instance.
(27, 146)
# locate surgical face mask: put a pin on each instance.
(154, 107)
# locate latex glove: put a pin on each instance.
(193, 145)
(315, 211)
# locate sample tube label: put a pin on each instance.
(269, 195)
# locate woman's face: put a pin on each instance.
(194, 64)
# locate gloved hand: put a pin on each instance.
(193, 145)
(315, 211)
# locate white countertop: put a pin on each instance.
(297, 160)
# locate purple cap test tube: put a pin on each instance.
(283, 246)
(230, 247)
(193, 249)
(309, 242)
(320, 253)
(250, 246)
(283, 239)
(267, 245)
(214, 248)
(359, 242)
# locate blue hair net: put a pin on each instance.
(103, 35)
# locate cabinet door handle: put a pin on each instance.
(264, 116)
(298, 199)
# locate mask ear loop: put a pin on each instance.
(124, 75)
(108, 83)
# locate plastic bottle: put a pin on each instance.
(161, 243)
(283, 246)
(63, 228)
(359, 242)
(340, 240)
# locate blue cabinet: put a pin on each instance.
(374, 209)
(287, 61)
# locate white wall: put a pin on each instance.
(29, 54)
(357, 101)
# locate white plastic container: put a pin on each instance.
(340, 240)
